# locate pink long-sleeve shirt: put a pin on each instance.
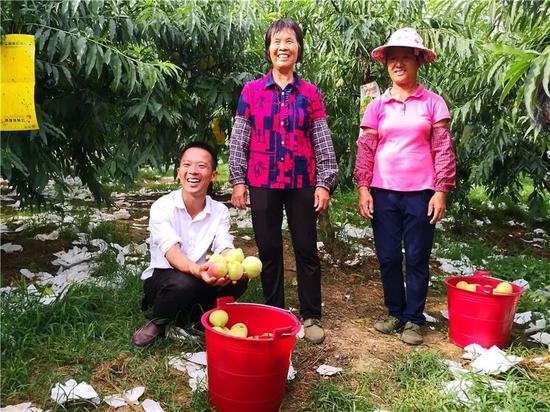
(407, 155)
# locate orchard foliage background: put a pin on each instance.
(121, 84)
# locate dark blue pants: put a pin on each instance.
(402, 217)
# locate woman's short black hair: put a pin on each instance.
(204, 146)
(276, 27)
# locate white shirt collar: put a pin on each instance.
(180, 204)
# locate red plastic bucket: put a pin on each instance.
(480, 317)
(249, 375)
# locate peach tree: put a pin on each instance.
(120, 84)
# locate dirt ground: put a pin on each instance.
(352, 302)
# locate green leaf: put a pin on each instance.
(67, 75)
(90, 58)
(54, 131)
(131, 74)
(116, 67)
(505, 50)
(99, 61)
(112, 29)
(52, 45)
(80, 48)
(532, 85)
(513, 74)
(74, 6)
(496, 66)
(42, 38)
(96, 5)
(64, 7)
(55, 73)
(130, 28)
(546, 75)
(107, 56)
(142, 111)
(9, 158)
(66, 48)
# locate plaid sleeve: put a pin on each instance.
(364, 161)
(444, 159)
(239, 145)
(325, 158)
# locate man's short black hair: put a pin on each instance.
(276, 27)
(204, 146)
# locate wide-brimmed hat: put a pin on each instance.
(405, 37)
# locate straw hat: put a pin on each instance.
(405, 37)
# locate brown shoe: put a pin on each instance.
(412, 334)
(148, 334)
(389, 325)
(313, 331)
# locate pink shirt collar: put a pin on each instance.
(418, 93)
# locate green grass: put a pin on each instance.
(344, 209)
(508, 264)
(38, 224)
(503, 264)
(479, 199)
(145, 178)
(86, 327)
(85, 336)
(330, 396)
(412, 384)
(112, 232)
(164, 187)
(152, 174)
(223, 172)
(253, 293)
(200, 402)
(415, 382)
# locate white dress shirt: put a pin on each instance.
(170, 223)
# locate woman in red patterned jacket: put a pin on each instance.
(281, 148)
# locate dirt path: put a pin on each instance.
(352, 299)
(352, 302)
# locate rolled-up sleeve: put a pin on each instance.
(223, 239)
(325, 157)
(161, 229)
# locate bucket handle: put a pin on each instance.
(482, 273)
(488, 290)
(224, 300)
(282, 332)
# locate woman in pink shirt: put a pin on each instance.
(405, 167)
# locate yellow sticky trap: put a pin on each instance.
(17, 110)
